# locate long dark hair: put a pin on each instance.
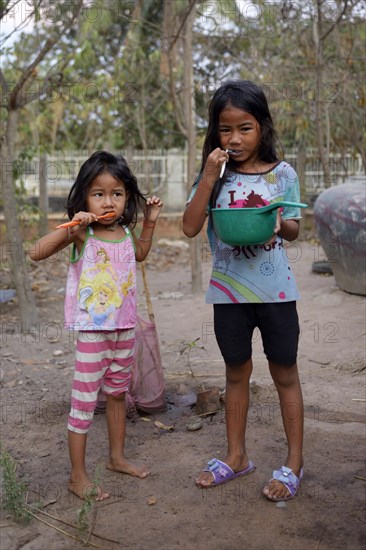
(249, 97)
(99, 163)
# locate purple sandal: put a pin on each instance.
(287, 477)
(222, 473)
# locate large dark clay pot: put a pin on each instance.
(340, 218)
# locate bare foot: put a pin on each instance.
(125, 467)
(205, 479)
(84, 489)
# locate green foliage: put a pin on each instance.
(89, 503)
(84, 512)
(13, 491)
(108, 90)
(186, 349)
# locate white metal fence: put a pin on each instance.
(341, 168)
(165, 173)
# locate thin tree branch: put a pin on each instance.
(332, 27)
(60, 530)
(177, 107)
(24, 22)
(29, 72)
(57, 70)
(5, 8)
(186, 15)
(3, 84)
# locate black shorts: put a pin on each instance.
(278, 324)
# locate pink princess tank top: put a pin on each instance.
(101, 285)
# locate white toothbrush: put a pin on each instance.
(230, 151)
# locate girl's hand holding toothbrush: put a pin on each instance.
(85, 218)
(215, 167)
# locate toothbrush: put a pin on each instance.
(76, 222)
(230, 151)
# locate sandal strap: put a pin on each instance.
(218, 469)
(288, 478)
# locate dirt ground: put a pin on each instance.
(166, 511)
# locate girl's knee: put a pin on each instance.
(78, 428)
(239, 373)
(285, 375)
(114, 398)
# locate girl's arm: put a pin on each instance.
(144, 240)
(50, 244)
(196, 210)
(60, 238)
(287, 229)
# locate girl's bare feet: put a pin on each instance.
(125, 467)
(83, 488)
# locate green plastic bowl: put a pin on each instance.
(246, 226)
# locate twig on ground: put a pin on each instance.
(61, 530)
(92, 524)
(319, 362)
(184, 373)
(76, 527)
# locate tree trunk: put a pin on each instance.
(190, 123)
(13, 245)
(301, 158)
(319, 108)
(141, 122)
(186, 117)
(43, 196)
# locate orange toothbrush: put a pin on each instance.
(76, 222)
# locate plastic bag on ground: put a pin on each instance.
(146, 391)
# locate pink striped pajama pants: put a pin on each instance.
(103, 361)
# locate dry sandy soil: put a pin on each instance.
(166, 511)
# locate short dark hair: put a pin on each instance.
(99, 163)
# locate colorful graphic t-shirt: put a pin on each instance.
(255, 273)
(101, 285)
